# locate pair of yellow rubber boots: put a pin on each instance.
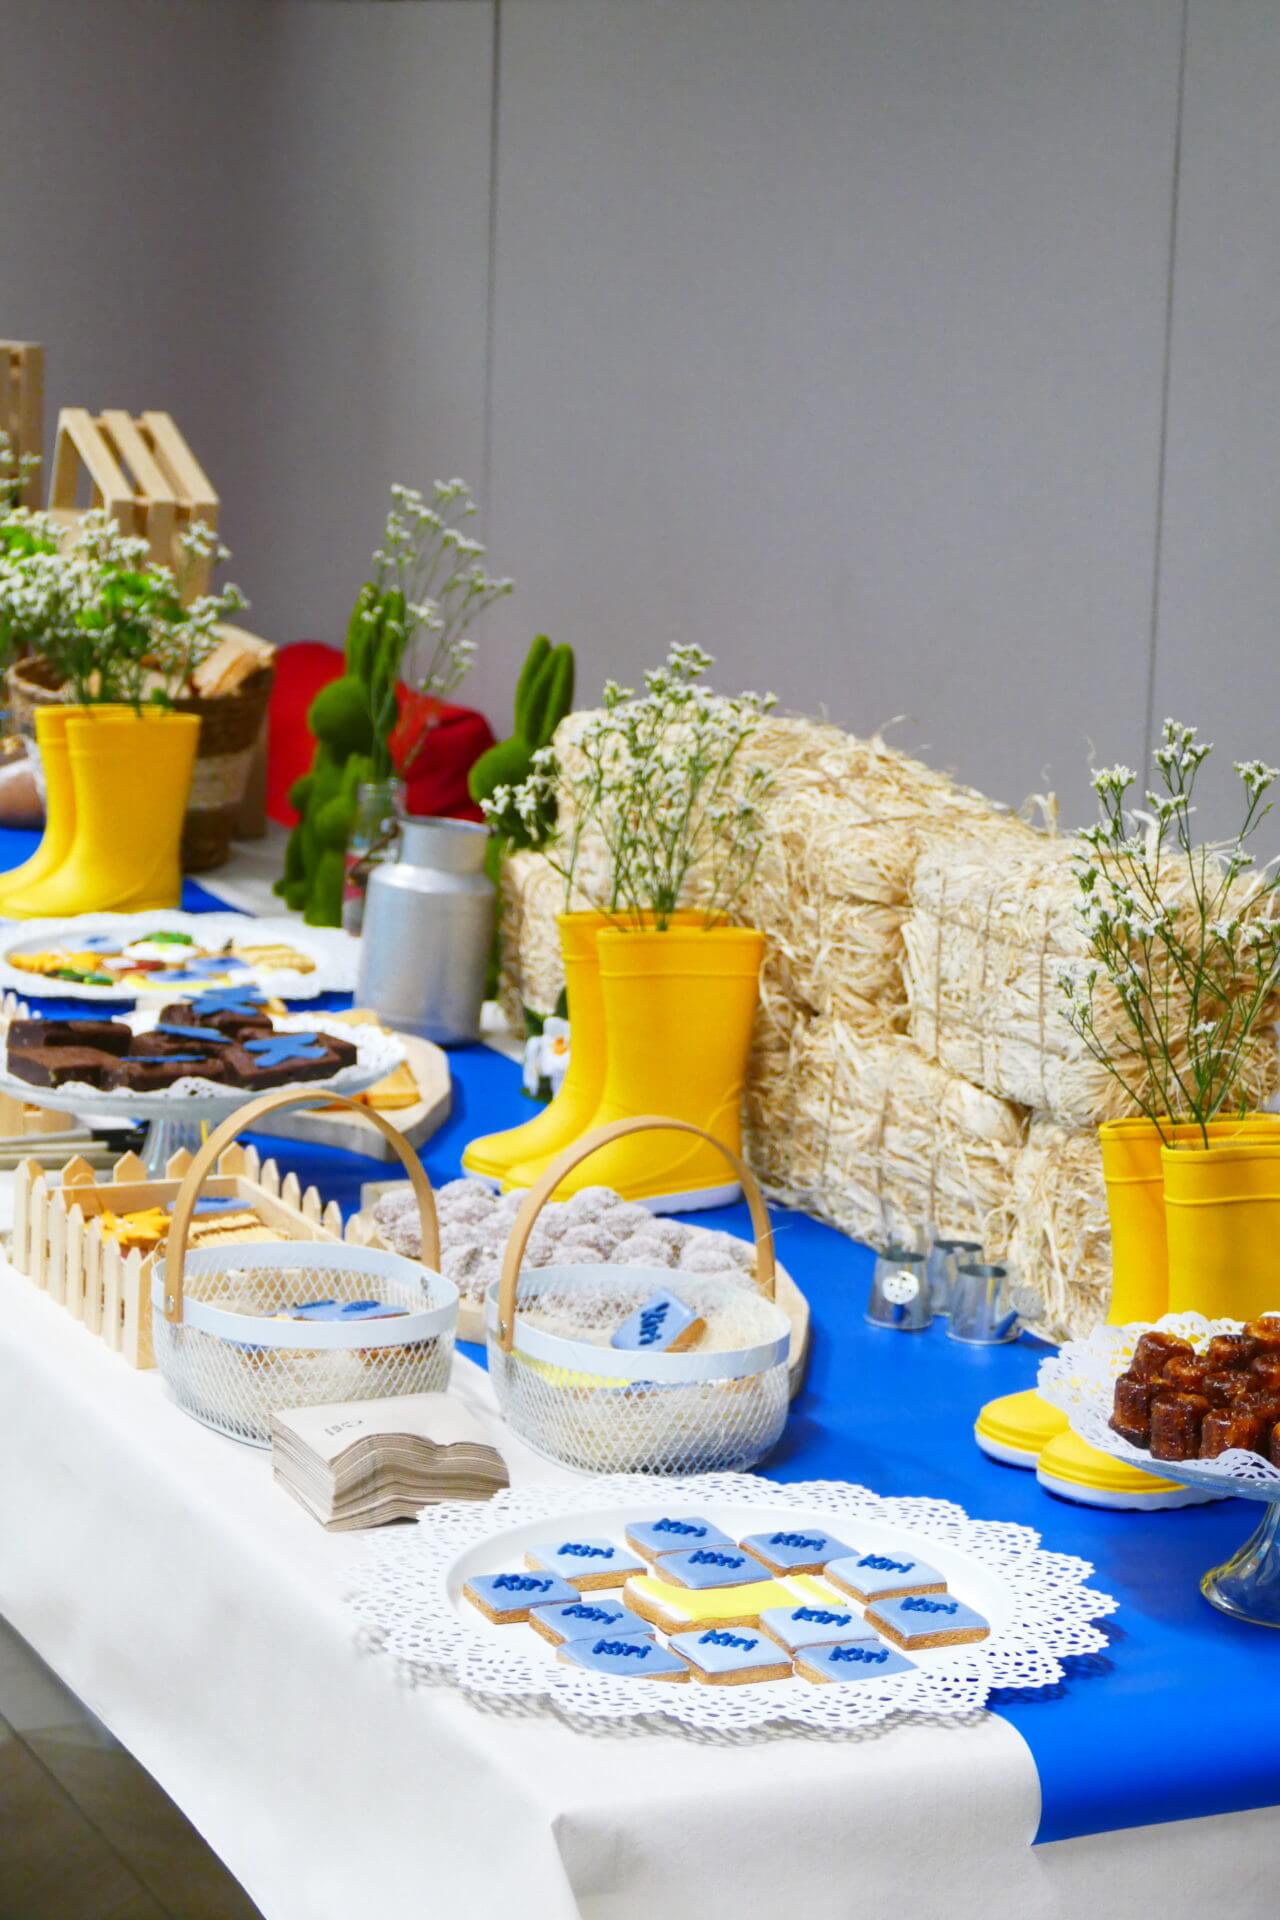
(116, 789)
(660, 1024)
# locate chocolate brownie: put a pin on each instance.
(165, 1041)
(230, 1021)
(107, 1036)
(279, 1059)
(142, 1074)
(54, 1066)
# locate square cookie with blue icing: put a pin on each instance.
(507, 1597)
(796, 1549)
(883, 1575)
(731, 1656)
(662, 1325)
(850, 1660)
(586, 1563)
(653, 1538)
(703, 1567)
(814, 1625)
(624, 1659)
(925, 1620)
(588, 1618)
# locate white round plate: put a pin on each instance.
(334, 954)
(1080, 1381)
(409, 1599)
(191, 1098)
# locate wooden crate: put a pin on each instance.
(59, 1244)
(22, 406)
(142, 472)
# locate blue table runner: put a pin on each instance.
(1179, 1717)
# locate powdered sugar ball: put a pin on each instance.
(575, 1256)
(732, 1251)
(553, 1222)
(588, 1239)
(505, 1209)
(591, 1202)
(626, 1218)
(390, 1206)
(465, 1201)
(642, 1250)
(669, 1232)
(404, 1235)
(709, 1260)
(459, 1261)
(541, 1250)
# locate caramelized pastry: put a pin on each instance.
(1266, 1333)
(1175, 1425)
(1186, 1376)
(1131, 1414)
(1229, 1350)
(1243, 1425)
(1224, 1389)
(1264, 1372)
(1154, 1351)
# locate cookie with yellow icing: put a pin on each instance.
(680, 1609)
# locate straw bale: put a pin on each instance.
(1061, 1242)
(879, 1141)
(991, 925)
(843, 823)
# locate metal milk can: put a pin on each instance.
(428, 930)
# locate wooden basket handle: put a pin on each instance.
(542, 1189)
(175, 1253)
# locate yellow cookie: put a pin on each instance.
(675, 1608)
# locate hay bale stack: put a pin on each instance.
(879, 1141)
(530, 973)
(991, 926)
(1061, 1242)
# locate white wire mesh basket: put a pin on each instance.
(223, 1341)
(578, 1400)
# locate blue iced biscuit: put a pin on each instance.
(883, 1574)
(625, 1659)
(927, 1620)
(851, 1660)
(584, 1563)
(731, 1656)
(207, 1036)
(589, 1618)
(703, 1567)
(245, 1000)
(662, 1325)
(654, 1537)
(813, 1626)
(796, 1549)
(504, 1597)
(344, 1310)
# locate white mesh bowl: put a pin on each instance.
(231, 1362)
(572, 1396)
(231, 1367)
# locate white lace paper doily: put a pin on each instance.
(1080, 1381)
(406, 1598)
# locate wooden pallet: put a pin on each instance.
(59, 1244)
(22, 406)
(142, 472)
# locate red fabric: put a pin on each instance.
(437, 781)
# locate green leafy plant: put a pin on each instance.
(1183, 967)
(544, 695)
(658, 783)
(108, 623)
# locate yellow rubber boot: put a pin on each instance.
(131, 776)
(59, 805)
(678, 1010)
(494, 1155)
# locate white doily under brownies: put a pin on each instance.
(409, 1600)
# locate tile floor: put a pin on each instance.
(85, 1832)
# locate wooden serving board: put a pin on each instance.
(354, 1134)
(362, 1231)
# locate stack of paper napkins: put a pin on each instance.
(360, 1463)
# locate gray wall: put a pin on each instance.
(915, 356)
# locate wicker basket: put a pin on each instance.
(230, 725)
(231, 1358)
(578, 1400)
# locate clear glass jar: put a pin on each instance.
(374, 838)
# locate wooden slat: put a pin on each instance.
(79, 434)
(155, 502)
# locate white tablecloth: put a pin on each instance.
(197, 1610)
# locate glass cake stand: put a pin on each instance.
(1080, 1381)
